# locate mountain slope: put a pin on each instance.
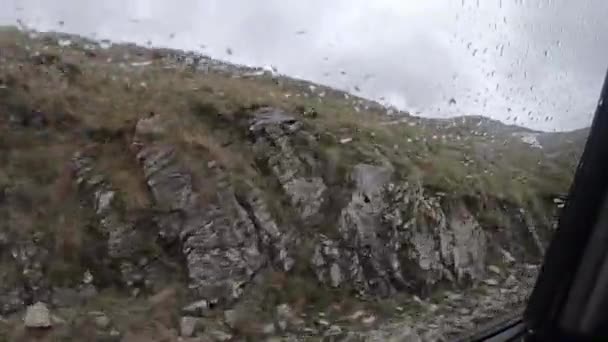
(168, 189)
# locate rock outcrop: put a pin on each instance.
(320, 219)
(397, 237)
(127, 245)
(221, 240)
(273, 133)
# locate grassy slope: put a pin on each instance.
(93, 98)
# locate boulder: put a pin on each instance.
(37, 316)
(187, 326)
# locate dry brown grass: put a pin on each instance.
(92, 104)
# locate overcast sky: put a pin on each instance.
(538, 63)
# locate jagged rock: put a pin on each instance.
(124, 241)
(306, 194)
(170, 183)
(361, 228)
(275, 241)
(385, 229)
(37, 316)
(272, 132)
(333, 264)
(463, 246)
(218, 239)
(442, 243)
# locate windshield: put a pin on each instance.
(271, 170)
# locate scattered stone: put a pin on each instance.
(508, 257)
(197, 308)
(231, 317)
(494, 269)
(37, 316)
(333, 331)
(356, 315)
(510, 281)
(269, 329)
(369, 320)
(187, 326)
(219, 335)
(88, 277)
(286, 318)
(322, 322)
(310, 331)
(490, 282)
(345, 140)
(101, 320)
(453, 296)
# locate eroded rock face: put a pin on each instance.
(126, 246)
(396, 237)
(122, 237)
(273, 133)
(224, 239)
(276, 242)
(436, 240)
(217, 239)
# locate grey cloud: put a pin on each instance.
(420, 54)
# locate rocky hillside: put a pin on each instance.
(148, 195)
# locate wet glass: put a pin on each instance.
(237, 170)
